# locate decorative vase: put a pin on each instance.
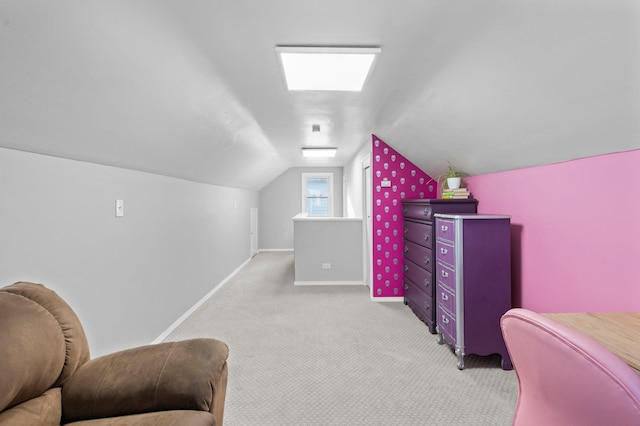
(453, 183)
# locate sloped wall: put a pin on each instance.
(407, 181)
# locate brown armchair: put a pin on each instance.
(48, 378)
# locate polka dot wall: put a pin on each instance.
(402, 180)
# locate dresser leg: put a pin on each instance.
(460, 356)
(506, 363)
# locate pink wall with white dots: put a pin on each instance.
(406, 181)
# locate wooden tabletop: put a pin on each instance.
(617, 331)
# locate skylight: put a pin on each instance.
(326, 68)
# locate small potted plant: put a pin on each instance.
(453, 177)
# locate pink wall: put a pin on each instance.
(406, 181)
(575, 231)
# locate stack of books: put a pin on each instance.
(459, 193)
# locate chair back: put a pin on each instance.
(565, 377)
(42, 342)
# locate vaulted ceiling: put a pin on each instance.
(192, 88)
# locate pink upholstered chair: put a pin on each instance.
(567, 378)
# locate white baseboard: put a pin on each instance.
(184, 316)
(261, 250)
(328, 283)
(387, 299)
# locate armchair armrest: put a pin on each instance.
(184, 375)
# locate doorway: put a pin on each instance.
(368, 225)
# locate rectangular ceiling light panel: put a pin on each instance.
(326, 68)
(319, 152)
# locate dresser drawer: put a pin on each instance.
(446, 276)
(447, 325)
(418, 297)
(446, 299)
(420, 276)
(419, 302)
(418, 254)
(417, 211)
(445, 230)
(420, 233)
(445, 253)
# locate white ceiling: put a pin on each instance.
(192, 88)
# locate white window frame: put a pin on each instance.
(305, 177)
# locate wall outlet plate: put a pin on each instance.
(119, 208)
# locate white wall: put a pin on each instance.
(281, 200)
(128, 278)
(332, 242)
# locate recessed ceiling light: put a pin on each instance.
(326, 68)
(319, 152)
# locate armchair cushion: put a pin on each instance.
(76, 347)
(165, 418)
(44, 410)
(31, 357)
(183, 375)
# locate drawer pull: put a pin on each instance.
(406, 268)
(443, 250)
(406, 249)
(426, 306)
(444, 273)
(406, 287)
(444, 228)
(445, 320)
(406, 231)
(445, 297)
(426, 283)
(426, 260)
(426, 236)
(427, 211)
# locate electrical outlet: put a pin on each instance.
(326, 266)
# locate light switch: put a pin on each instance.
(119, 208)
(385, 183)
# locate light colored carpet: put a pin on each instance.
(327, 355)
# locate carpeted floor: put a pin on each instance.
(327, 355)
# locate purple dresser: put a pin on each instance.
(473, 290)
(419, 258)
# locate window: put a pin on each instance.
(317, 194)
